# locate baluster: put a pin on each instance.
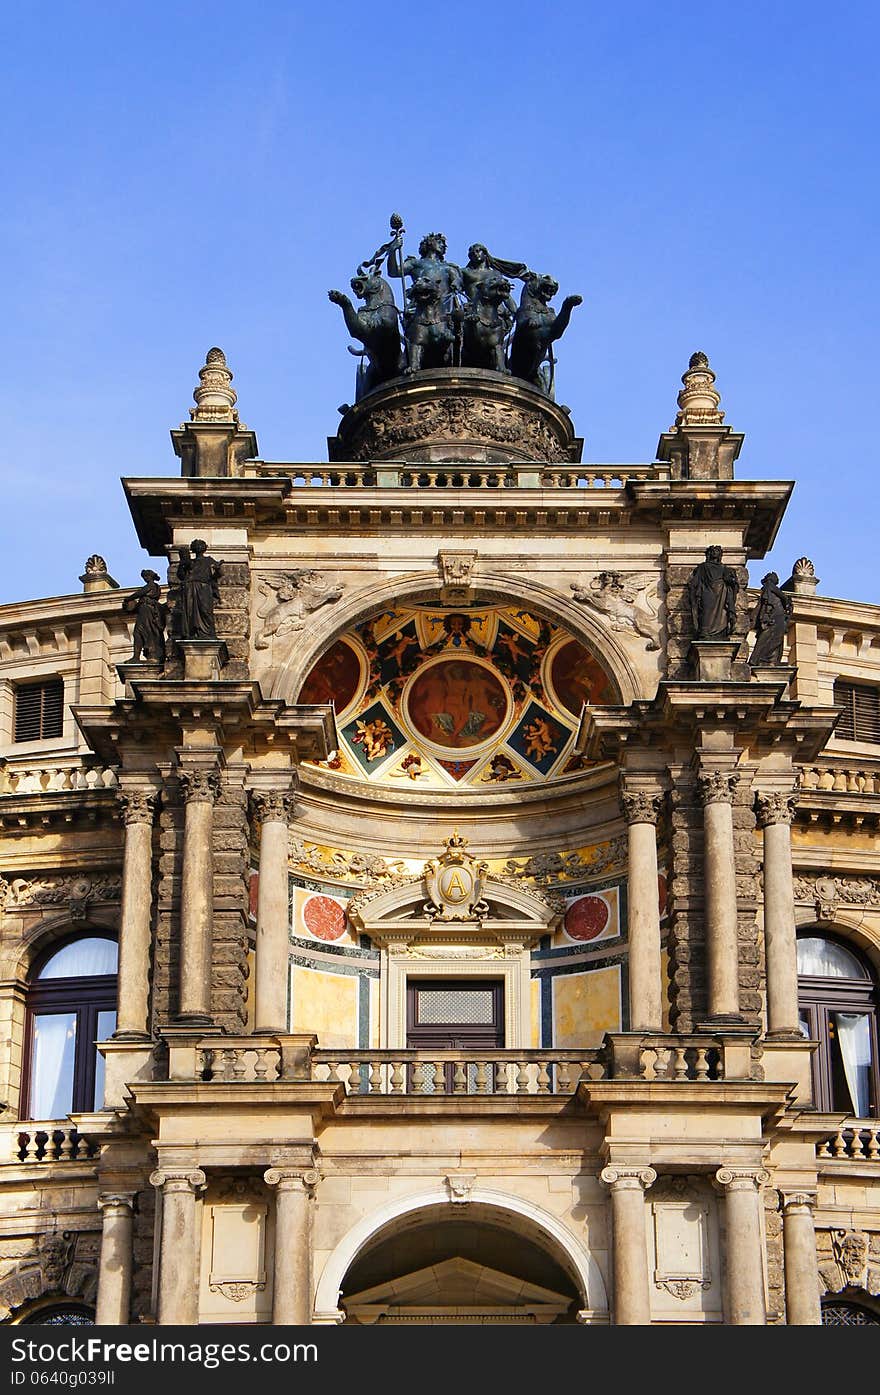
(67, 1145)
(50, 1152)
(522, 1077)
(563, 1078)
(680, 1068)
(30, 1148)
(375, 1087)
(333, 1071)
(439, 1078)
(261, 1063)
(82, 1149)
(543, 1079)
(481, 1079)
(237, 1061)
(397, 1072)
(354, 1077)
(873, 1144)
(839, 1145)
(823, 1151)
(701, 1068)
(459, 1079)
(661, 1065)
(418, 1078)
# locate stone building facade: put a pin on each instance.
(488, 950)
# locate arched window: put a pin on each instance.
(71, 1005)
(62, 1315)
(836, 1314)
(838, 1008)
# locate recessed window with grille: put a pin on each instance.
(861, 712)
(39, 710)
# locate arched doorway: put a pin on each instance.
(489, 1259)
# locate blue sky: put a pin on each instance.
(188, 174)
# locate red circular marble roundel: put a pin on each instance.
(586, 918)
(324, 917)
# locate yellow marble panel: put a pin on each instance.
(325, 1004)
(535, 1010)
(585, 1006)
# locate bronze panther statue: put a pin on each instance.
(537, 327)
(375, 324)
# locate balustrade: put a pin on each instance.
(849, 779)
(500, 475)
(48, 777)
(857, 1141)
(49, 1142)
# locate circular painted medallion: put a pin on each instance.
(335, 677)
(576, 677)
(456, 704)
(324, 918)
(587, 917)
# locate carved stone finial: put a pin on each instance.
(698, 400)
(804, 580)
(95, 575)
(215, 396)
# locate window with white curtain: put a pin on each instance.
(837, 993)
(71, 1006)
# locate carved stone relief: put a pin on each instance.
(628, 601)
(288, 598)
(22, 892)
(853, 1262)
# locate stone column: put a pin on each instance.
(775, 814)
(273, 808)
(179, 1254)
(719, 876)
(632, 1292)
(132, 1019)
(641, 811)
(803, 1307)
(292, 1282)
(200, 787)
(115, 1263)
(744, 1272)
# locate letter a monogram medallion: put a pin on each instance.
(455, 883)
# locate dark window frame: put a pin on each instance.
(49, 714)
(84, 995)
(818, 999)
(454, 1036)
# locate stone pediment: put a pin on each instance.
(456, 1289)
(456, 899)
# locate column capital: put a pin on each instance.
(179, 1180)
(198, 784)
(273, 806)
(113, 1201)
(797, 1201)
(775, 807)
(289, 1179)
(628, 1178)
(137, 804)
(717, 786)
(639, 805)
(741, 1179)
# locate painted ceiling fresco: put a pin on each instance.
(442, 697)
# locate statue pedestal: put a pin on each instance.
(774, 673)
(712, 659)
(203, 659)
(130, 672)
